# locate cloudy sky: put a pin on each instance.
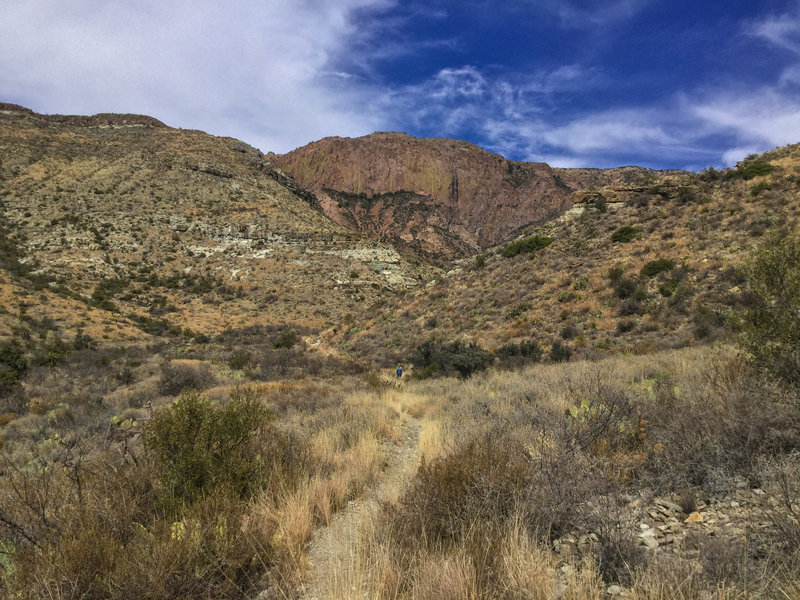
(659, 83)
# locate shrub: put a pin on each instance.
(560, 352)
(654, 267)
(529, 349)
(240, 359)
(761, 186)
(750, 168)
(668, 288)
(629, 307)
(179, 377)
(199, 446)
(625, 287)
(286, 339)
(615, 272)
(624, 234)
(480, 261)
(529, 245)
(456, 358)
(769, 326)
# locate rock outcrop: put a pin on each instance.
(445, 198)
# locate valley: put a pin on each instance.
(197, 353)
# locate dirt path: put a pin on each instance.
(334, 549)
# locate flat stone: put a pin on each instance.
(695, 517)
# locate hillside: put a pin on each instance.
(638, 265)
(198, 397)
(445, 198)
(124, 226)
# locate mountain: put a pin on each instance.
(121, 224)
(445, 198)
(644, 261)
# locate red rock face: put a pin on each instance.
(444, 197)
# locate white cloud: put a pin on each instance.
(782, 31)
(764, 118)
(260, 71)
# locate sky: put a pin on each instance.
(574, 83)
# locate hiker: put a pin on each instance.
(399, 371)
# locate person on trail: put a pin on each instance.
(399, 371)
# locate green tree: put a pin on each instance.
(770, 325)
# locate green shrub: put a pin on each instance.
(761, 186)
(615, 272)
(199, 446)
(456, 358)
(624, 234)
(625, 287)
(286, 339)
(668, 288)
(529, 245)
(560, 352)
(480, 261)
(770, 326)
(750, 168)
(103, 294)
(528, 349)
(518, 310)
(654, 267)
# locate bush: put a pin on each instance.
(529, 245)
(625, 287)
(286, 339)
(769, 326)
(240, 359)
(750, 168)
(179, 377)
(761, 186)
(560, 352)
(624, 234)
(529, 349)
(200, 446)
(654, 267)
(456, 358)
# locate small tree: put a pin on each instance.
(770, 325)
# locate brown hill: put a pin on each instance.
(119, 219)
(651, 264)
(446, 198)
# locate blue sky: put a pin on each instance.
(663, 84)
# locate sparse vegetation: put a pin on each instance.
(527, 245)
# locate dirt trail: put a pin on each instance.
(334, 548)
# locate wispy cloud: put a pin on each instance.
(782, 30)
(573, 15)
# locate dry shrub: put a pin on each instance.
(717, 431)
(451, 577)
(177, 377)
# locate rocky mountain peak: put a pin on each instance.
(443, 197)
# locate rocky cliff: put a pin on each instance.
(446, 198)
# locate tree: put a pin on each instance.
(770, 325)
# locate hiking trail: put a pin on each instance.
(333, 549)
